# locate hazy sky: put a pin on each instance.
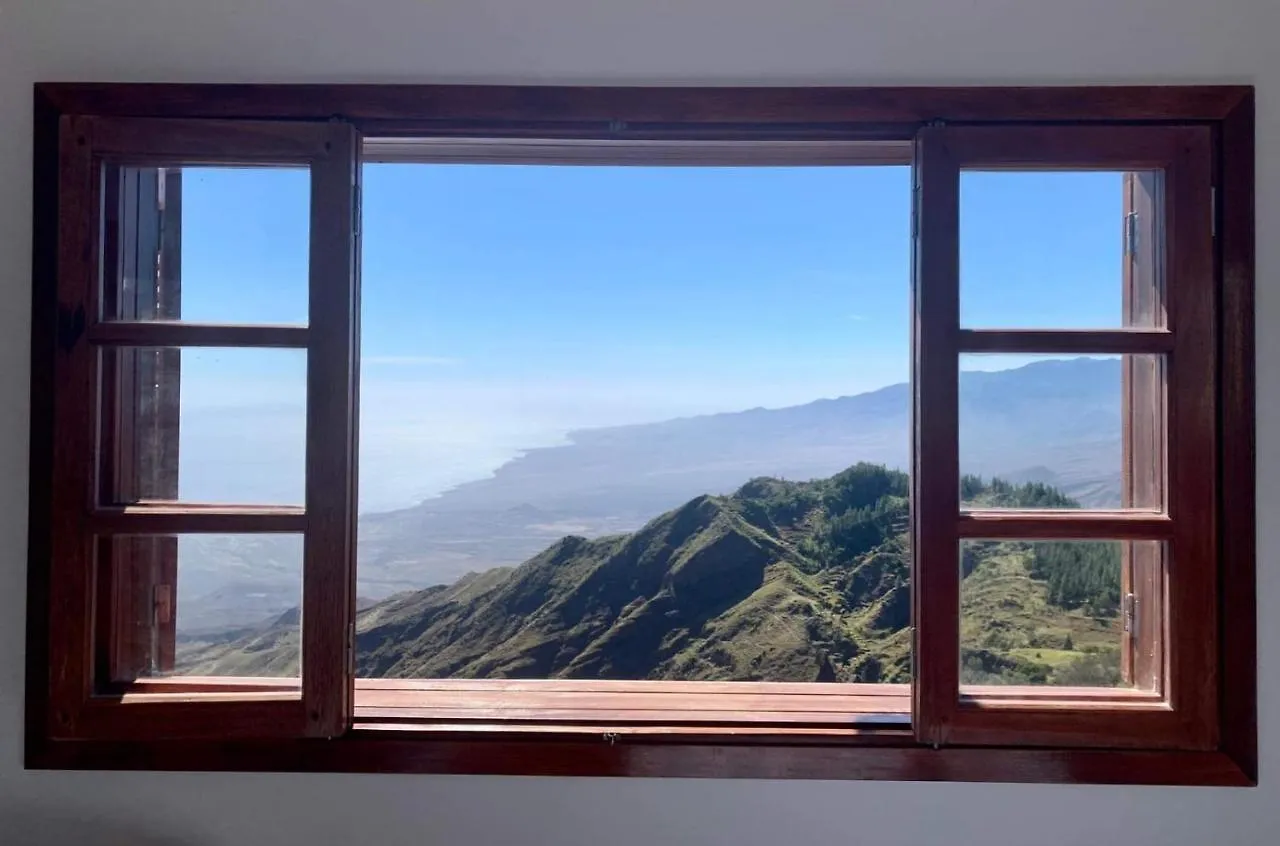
(504, 306)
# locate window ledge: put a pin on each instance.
(371, 750)
(624, 703)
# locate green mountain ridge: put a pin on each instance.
(779, 581)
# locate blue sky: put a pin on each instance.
(504, 306)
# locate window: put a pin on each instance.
(1048, 578)
(130, 372)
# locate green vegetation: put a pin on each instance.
(1015, 627)
(780, 581)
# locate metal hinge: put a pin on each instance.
(1130, 611)
(1131, 234)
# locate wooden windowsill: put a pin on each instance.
(638, 729)
(623, 703)
(630, 706)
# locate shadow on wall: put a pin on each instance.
(43, 825)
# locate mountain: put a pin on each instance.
(1056, 422)
(779, 581)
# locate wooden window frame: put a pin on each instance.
(548, 121)
(1180, 710)
(92, 521)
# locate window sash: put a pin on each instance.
(531, 113)
(1184, 715)
(84, 701)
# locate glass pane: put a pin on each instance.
(612, 420)
(1044, 249)
(208, 244)
(1044, 613)
(205, 425)
(1052, 432)
(206, 605)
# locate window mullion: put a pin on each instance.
(935, 458)
(328, 593)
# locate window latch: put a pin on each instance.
(1130, 611)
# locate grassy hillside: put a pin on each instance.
(780, 581)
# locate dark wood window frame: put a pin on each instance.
(182, 726)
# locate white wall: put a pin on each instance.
(585, 41)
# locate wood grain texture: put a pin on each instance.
(1118, 725)
(1053, 693)
(140, 421)
(865, 733)
(1065, 341)
(195, 518)
(935, 478)
(846, 713)
(242, 715)
(1066, 524)
(616, 109)
(329, 549)
(1119, 148)
(1191, 567)
(761, 750)
(657, 755)
(694, 704)
(108, 589)
(196, 142)
(148, 333)
(675, 688)
(1189, 720)
(886, 695)
(646, 152)
(74, 428)
(1144, 420)
(1238, 683)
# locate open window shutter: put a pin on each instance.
(142, 217)
(1144, 410)
(1169, 447)
(935, 447)
(116, 507)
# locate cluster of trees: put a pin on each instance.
(846, 516)
(1001, 494)
(1080, 574)
(851, 533)
(865, 505)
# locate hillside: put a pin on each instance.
(779, 581)
(1055, 422)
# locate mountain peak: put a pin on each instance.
(783, 581)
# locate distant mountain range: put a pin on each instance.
(1055, 422)
(779, 581)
